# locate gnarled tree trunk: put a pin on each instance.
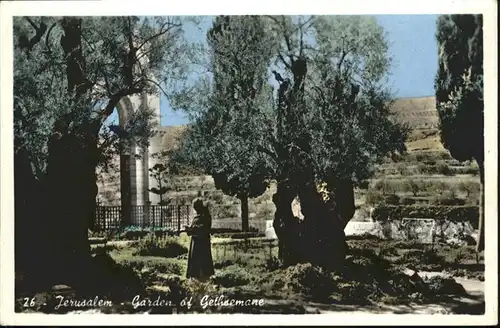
(244, 213)
(31, 234)
(324, 236)
(320, 238)
(286, 226)
(71, 189)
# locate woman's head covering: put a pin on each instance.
(198, 205)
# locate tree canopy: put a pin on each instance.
(459, 85)
(70, 73)
(87, 66)
(459, 92)
(327, 122)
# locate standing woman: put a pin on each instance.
(200, 264)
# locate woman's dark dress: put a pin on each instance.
(200, 263)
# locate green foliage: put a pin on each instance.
(159, 172)
(349, 125)
(444, 169)
(343, 131)
(391, 199)
(307, 278)
(413, 186)
(46, 76)
(373, 197)
(218, 140)
(136, 232)
(451, 213)
(383, 186)
(419, 257)
(447, 198)
(166, 247)
(407, 201)
(232, 276)
(469, 188)
(448, 286)
(459, 85)
(161, 266)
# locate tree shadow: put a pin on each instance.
(102, 278)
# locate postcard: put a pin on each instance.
(333, 164)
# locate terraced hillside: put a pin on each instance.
(426, 174)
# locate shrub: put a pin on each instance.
(447, 286)
(243, 235)
(217, 196)
(451, 213)
(444, 169)
(310, 280)
(166, 247)
(373, 198)
(471, 170)
(407, 201)
(402, 169)
(469, 188)
(450, 201)
(447, 198)
(383, 186)
(422, 168)
(364, 184)
(445, 156)
(155, 264)
(232, 276)
(418, 257)
(420, 157)
(137, 232)
(391, 199)
(413, 186)
(439, 187)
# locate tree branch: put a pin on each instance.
(39, 32)
(158, 85)
(48, 36)
(284, 61)
(171, 25)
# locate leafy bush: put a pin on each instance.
(166, 247)
(232, 276)
(402, 169)
(448, 198)
(364, 184)
(383, 186)
(99, 234)
(446, 286)
(243, 235)
(413, 186)
(137, 232)
(470, 188)
(391, 199)
(422, 259)
(407, 201)
(445, 156)
(451, 213)
(444, 169)
(168, 267)
(373, 198)
(310, 280)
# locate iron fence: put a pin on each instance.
(170, 217)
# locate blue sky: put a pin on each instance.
(412, 46)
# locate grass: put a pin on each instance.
(372, 274)
(166, 247)
(249, 269)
